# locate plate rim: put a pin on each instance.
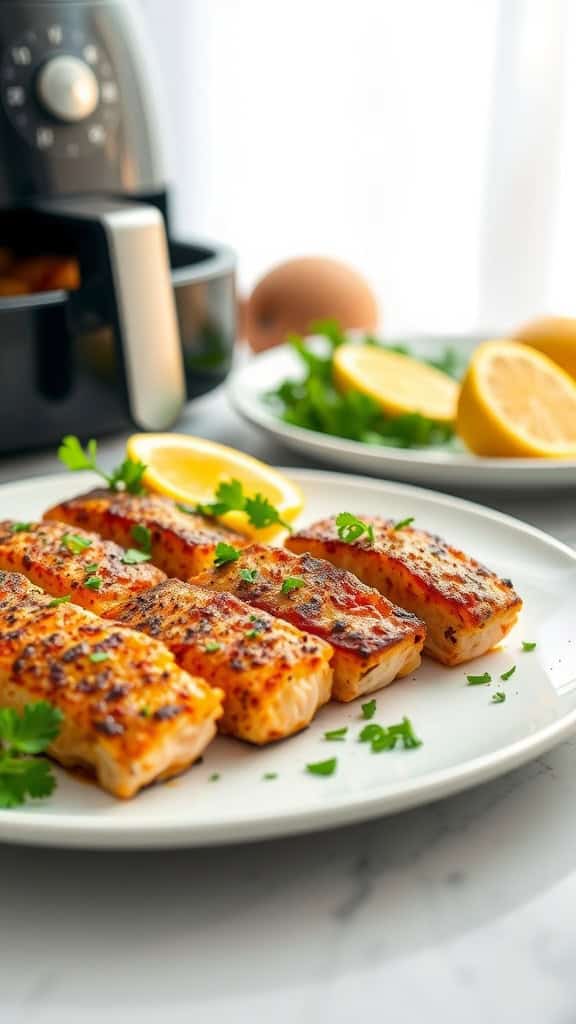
(256, 414)
(89, 832)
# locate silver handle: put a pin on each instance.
(152, 350)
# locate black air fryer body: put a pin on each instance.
(153, 320)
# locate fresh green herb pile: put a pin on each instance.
(21, 736)
(313, 401)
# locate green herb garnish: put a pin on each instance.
(528, 645)
(230, 497)
(248, 575)
(336, 734)
(21, 527)
(389, 737)
(402, 523)
(125, 477)
(142, 536)
(212, 646)
(369, 709)
(98, 656)
(93, 582)
(214, 777)
(132, 556)
(225, 553)
(323, 767)
(314, 402)
(350, 528)
(482, 680)
(498, 698)
(292, 583)
(60, 600)
(268, 776)
(91, 568)
(75, 543)
(510, 672)
(22, 735)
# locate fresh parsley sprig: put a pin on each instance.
(292, 583)
(350, 528)
(225, 553)
(22, 736)
(125, 477)
(230, 497)
(391, 736)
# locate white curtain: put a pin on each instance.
(430, 143)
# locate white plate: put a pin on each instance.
(440, 468)
(466, 739)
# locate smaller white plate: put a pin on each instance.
(437, 467)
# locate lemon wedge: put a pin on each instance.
(397, 383)
(189, 469)
(515, 401)
(555, 336)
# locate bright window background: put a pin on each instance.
(430, 143)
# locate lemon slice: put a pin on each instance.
(555, 336)
(517, 402)
(189, 470)
(397, 383)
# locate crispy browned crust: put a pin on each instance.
(42, 556)
(362, 627)
(132, 717)
(182, 544)
(467, 607)
(274, 677)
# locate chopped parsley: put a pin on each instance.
(21, 527)
(142, 536)
(214, 777)
(135, 557)
(93, 582)
(403, 523)
(125, 477)
(336, 734)
(225, 553)
(60, 600)
(528, 645)
(369, 709)
(75, 543)
(498, 698)
(98, 656)
(253, 633)
(389, 737)
(350, 528)
(508, 674)
(482, 680)
(323, 767)
(22, 735)
(269, 776)
(145, 712)
(292, 583)
(230, 497)
(212, 646)
(91, 568)
(248, 575)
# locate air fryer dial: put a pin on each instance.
(59, 91)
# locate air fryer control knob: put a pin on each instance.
(68, 88)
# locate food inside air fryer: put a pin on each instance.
(24, 275)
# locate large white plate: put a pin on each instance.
(466, 739)
(441, 468)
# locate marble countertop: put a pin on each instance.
(462, 910)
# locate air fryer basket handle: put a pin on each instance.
(146, 312)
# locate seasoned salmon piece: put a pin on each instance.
(274, 677)
(467, 608)
(183, 544)
(74, 562)
(373, 641)
(131, 714)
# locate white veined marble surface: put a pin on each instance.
(464, 910)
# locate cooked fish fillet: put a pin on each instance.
(182, 544)
(467, 608)
(76, 562)
(131, 715)
(274, 677)
(373, 641)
